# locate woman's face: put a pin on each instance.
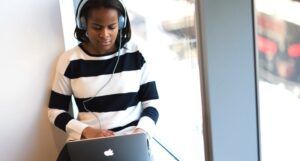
(102, 30)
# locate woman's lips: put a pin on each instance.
(104, 43)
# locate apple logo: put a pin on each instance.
(109, 152)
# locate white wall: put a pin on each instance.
(31, 39)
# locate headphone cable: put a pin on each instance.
(166, 149)
(114, 70)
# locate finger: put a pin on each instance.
(109, 132)
(105, 133)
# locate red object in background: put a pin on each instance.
(266, 46)
(294, 51)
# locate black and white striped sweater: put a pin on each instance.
(128, 101)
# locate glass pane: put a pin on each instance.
(278, 49)
(168, 39)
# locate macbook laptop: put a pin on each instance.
(132, 147)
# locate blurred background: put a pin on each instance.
(278, 52)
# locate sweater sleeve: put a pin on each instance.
(148, 96)
(59, 103)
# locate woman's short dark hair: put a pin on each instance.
(80, 34)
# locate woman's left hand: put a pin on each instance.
(139, 130)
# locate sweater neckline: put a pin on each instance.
(93, 55)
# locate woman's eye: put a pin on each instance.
(97, 27)
(112, 28)
(100, 27)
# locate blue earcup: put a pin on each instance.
(122, 22)
(82, 23)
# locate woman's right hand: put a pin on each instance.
(90, 132)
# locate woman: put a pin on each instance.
(107, 75)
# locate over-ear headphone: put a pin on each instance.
(81, 20)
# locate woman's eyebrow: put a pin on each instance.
(95, 24)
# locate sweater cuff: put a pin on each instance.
(74, 129)
(147, 124)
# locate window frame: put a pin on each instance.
(229, 96)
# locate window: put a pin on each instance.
(278, 49)
(168, 39)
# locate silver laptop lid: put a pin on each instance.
(118, 148)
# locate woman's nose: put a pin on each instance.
(104, 33)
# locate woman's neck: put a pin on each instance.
(93, 51)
